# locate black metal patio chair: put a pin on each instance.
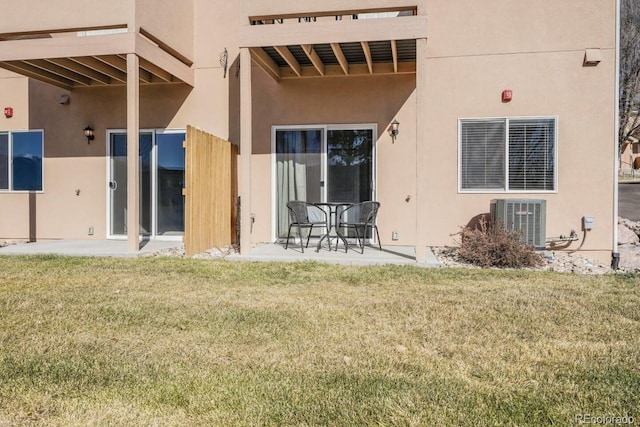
(299, 216)
(359, 217)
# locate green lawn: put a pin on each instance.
(154, 342)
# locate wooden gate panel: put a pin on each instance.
(210, 192)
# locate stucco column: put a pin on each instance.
(422, 141)
(244, 170)
(133, 158)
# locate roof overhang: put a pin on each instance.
(71, 61)
(335, 47)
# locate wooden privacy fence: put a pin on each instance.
(210, 192)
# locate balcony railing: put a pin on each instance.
(333, 15)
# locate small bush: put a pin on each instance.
(491, 245)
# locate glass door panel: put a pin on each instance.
(146, 183)
(169, 198)
(350, 168)
(299, 169)
(118, 183)
(4, 161)
(349, 165)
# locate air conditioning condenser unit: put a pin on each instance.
(528, 216)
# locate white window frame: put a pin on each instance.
(154, 182)
(9, 134)
(506, 189)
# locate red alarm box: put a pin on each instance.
(507, 95)
(8, 112)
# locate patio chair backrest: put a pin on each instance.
(298, 212)
(368, 211)
(360, 213)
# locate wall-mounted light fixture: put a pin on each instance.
(88, 132)
(394, 130)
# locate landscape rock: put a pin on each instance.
(630, 257)
(626, 234)
(179, 252)
(632, 225)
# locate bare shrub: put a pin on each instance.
(491, 245)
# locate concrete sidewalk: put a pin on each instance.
(97, 248)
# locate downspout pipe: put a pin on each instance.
(615, 255)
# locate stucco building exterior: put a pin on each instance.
(495, 100)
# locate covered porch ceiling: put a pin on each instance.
(333, 44)
(88, 57)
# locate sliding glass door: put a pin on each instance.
(162, 168)
(322, 164)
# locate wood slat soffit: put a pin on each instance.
(83, 57)
(335, 43)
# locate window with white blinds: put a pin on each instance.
(508, 154)
(483, 154)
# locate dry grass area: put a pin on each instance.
(154, 342)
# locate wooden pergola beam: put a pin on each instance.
(394, 54)
(101, 67)
(145, 76)
(381, 69)
(60, 71)
(76, 67)
(342, 60)
(36, 73)
(264, 61)
(314, 58)
(367, 55)
(289, 58)
(155, 70)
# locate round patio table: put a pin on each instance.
(332, 220)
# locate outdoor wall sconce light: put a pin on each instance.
(394, 130)
(88, 132)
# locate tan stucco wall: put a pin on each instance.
(585, 160)
(547, 77)
(71, 164)
(14, 91)
(60, 14)
(468, 27)
(168, 20)
(208, 104)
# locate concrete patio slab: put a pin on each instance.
(399, 255)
